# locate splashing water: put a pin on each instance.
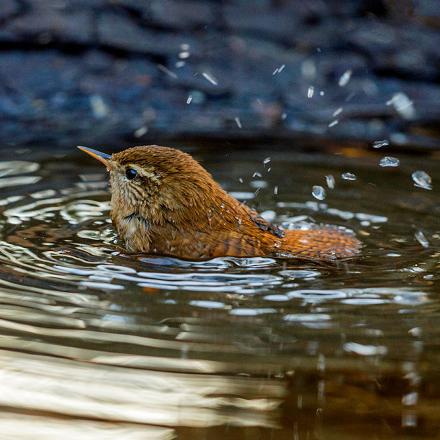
(155, 346)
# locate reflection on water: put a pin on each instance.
(97, 344)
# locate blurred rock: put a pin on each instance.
(101, 70)
(8, 8)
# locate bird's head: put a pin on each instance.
(157, 184)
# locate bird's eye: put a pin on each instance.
(130, 173)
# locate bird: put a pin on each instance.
(164, 203)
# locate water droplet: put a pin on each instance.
(167, 71)
(410, 399)
(184, 55)
(275, 189)
(333, 123)
(345, 78)
(318, 192)
(310, 92)
(238, 122)
(420, 237)
(380, 144)
(348, 176)
(279, 69)
(403, 105)
(415, 331)
(330, 180)
(210, 78)
(422, 179)
(266, 160)
(259, 184)
(189, 99)
(389, 161)
(269, 215)
(140, 131)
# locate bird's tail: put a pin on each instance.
(325, 243)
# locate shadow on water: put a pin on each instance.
(101, 344)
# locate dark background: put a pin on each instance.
(108, 71)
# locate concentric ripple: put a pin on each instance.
(103, 344)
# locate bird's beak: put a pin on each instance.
(102, 157)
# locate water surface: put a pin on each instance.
(97, 344)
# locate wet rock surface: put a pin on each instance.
(97, 70)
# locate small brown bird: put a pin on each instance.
(164, 202)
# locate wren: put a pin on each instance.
(163, 202)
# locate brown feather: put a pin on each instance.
(174, 207)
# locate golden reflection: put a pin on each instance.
(121, 394)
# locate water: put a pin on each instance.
(98, 344)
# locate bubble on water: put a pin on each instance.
(389, 161)
(380, 144)
(348, 176)
(318, 192)
(403, 105)
(420, 237)
(422, 179)
(310, 92)
(330, 180)
(345, 78)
